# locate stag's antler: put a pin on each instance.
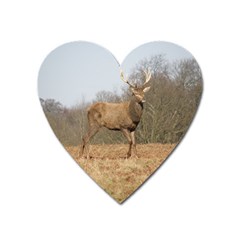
(148, 76)
(125, 80)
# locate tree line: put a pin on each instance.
(170, 106)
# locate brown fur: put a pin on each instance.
(124, 117)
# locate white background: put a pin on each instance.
(45, 195)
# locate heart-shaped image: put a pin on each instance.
(119, 122)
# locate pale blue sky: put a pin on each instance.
(79, 70)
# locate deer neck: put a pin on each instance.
(135, 110)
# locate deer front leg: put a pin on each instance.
(127, 134)
(134, 150)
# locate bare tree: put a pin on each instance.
(124, 116)
(170, 106)
(51, 105)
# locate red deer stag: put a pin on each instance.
(124, 116)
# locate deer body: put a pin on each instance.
(124, 117)
(116, 116)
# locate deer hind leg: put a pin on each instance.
(127, 134)
(91, 132)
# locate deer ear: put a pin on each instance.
(146, 89)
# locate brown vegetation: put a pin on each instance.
(116, 174)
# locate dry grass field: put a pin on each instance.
(117, 175)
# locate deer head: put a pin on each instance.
(138, 92)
